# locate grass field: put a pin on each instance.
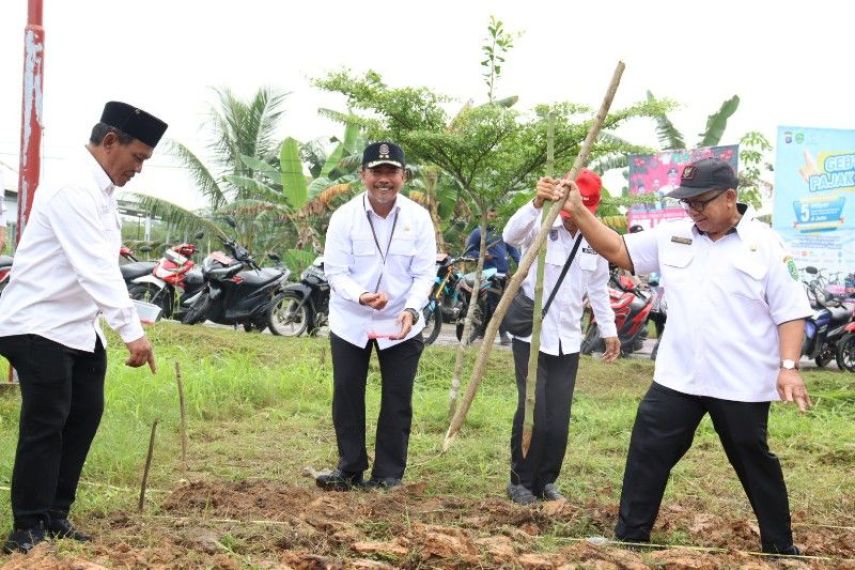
(259, 415)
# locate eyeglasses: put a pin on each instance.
(699, 205)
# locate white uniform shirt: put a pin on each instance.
(354, 265)
(725, 300)
(66, 266)
(588, 273)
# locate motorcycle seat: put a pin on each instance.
(136, 269)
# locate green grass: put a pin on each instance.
(259, 407)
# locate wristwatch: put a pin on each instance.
(788, 364)
(414, 313)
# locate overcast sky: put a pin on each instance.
(789, 63)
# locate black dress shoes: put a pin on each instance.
(551, 493)
(520, 495)
(24, 539)
(338, 480)
(383, 483)
(791, 550)
(62, 528)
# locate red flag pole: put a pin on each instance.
(31, 120)
(31, 114)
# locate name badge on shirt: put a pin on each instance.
(682, 240)
(588, 249)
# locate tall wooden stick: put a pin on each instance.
(537, 317)
(182, 409)
(147, 467)
(525, 264)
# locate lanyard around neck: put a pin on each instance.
(383, 255)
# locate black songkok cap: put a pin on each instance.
(134, 122)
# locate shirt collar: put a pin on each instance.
(367, 204)
(741, 227)
(101, 179)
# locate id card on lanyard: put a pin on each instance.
(383, 255)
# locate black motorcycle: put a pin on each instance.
(302, 308)
(442, 306)
(237, 291)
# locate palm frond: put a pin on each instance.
(717, 122)
(174, 215)
(199, 172)
(669, 136)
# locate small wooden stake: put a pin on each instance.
(183, 411)
(147, 466)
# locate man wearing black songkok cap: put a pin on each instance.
(65, 275)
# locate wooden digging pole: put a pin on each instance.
(525, 264)
(537, 316)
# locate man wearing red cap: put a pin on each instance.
(561, 336)
(66, 274)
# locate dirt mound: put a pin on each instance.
(263, 524)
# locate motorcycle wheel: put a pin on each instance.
(285, 319)
(433, 324)
(592, 341)
(823, 359)
(196, 313)
(152, 294)
(477, 325)
(846, 352)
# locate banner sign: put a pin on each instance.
(814, 208)
(658, 174)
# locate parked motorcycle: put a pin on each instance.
(302, 308)
(236, 290)
(825, 328)
(443, 297)
(132, 268)
(173, 280)
(491, 282)
(632, 308)
(5, 269)
(846, 348)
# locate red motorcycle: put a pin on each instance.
(5, 268)
(632, 308)
(173, 278)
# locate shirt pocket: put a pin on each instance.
(676, 262)
(363, 248)
(403, 247)
(555, 256)
(746, 280)
(588, 261)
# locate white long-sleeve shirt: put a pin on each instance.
(588, 273)
(354, 266)
(66, 267)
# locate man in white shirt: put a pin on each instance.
(65, 274)
(736, 315)
(379, 258)
(560, 338)
(3, 220)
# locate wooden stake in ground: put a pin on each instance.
(183, 412)
(537, 317)
(147, 467)
(525, 264)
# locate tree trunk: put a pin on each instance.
(463, 345)
(525, 264)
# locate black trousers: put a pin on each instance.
(62, 399)
(664, 429)
(556, 378)
(398, 365)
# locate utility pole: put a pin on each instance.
(31, 121)
(31, 113)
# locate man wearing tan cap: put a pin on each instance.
(65, 275)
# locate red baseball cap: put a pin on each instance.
(590, 186)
